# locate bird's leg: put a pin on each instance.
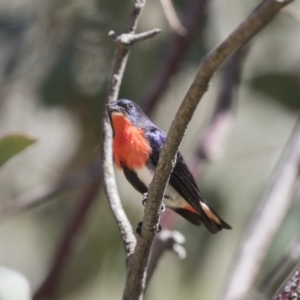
(158, 226)
(138, 230)
(145, 197)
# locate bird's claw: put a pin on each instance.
(138, 230)
(158, 228)
(145, 196)
(162, 207)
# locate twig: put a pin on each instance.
(193, 22)
(125, 40)
(280, 271)
(265, 222)
(123, 43)
(47, 289)
(291, 289)
(172, 18)
(166, 240)
(136, 275)
(211, 144)
(41, 194)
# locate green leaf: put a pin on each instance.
(12, 144)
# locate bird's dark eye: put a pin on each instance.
(130, 105)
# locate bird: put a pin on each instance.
(136, 144)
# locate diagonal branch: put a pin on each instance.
(259, 18)
(265, 222)
(211, 144)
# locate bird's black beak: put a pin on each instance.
(112, 106)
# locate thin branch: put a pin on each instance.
(40, 195)
(291, 289)
(265, 222)
(178, 48)
(135, 14)
(172, 18)
(213, 137)
(123, 43)
(211, 144)
(128, 39)
(47, 289)
(166, 240)
(259, 18)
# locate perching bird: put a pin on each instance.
(137, 143)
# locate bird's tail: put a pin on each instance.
(211, 219)
(206, 215)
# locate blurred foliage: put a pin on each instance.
(55, 60)
(59, 85)
(12, 144)
(283, 88)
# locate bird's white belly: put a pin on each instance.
(174, 198)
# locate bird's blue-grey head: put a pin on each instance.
(130, 110)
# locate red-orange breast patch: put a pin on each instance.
(130, 146)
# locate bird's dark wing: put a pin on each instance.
(184, 183)
(134, 180)
(181, 178)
